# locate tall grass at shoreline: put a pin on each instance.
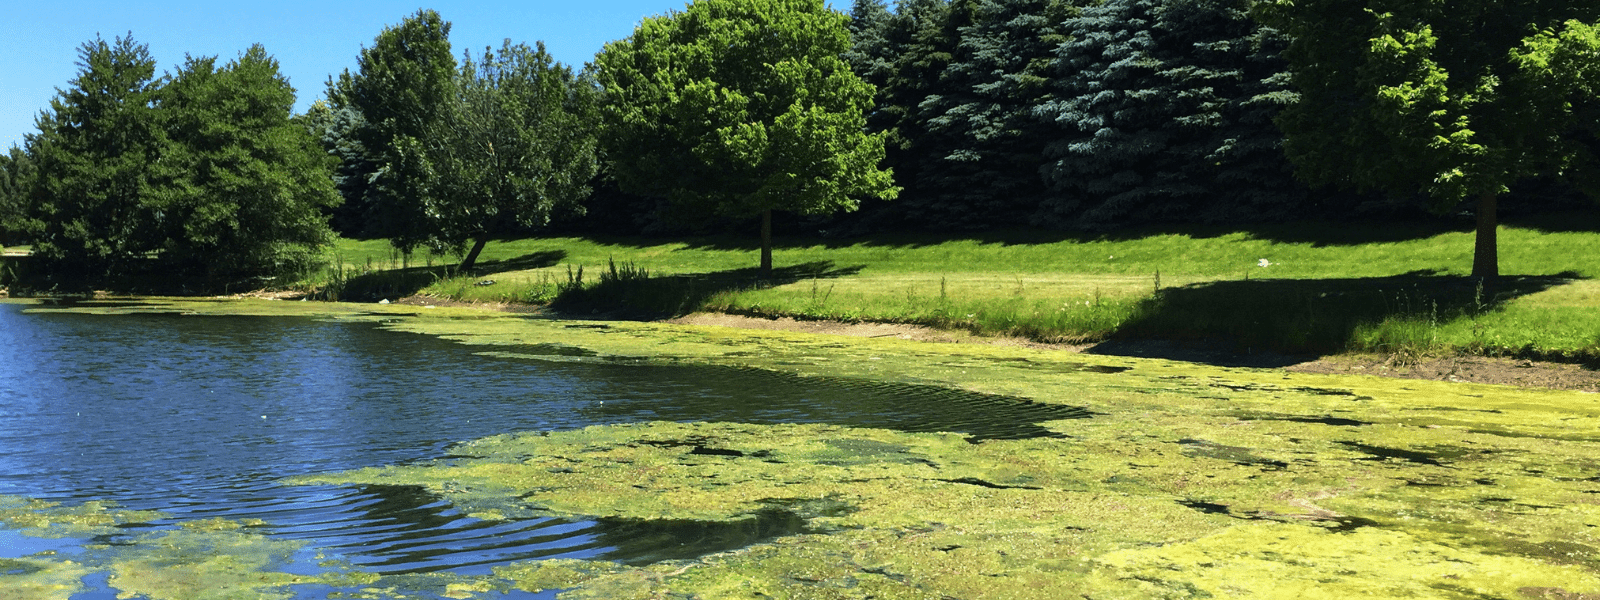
(1394, 289)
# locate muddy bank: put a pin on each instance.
(1471, 369)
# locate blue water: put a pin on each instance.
(201, 416)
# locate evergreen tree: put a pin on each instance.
(742, 107)
(922, 43)
(869, 47)
(244, 187)
(1164, 109)
(400, 90)
(516, 145)
(95, 151)
(17, 175)
(985, 171)
(353, 165)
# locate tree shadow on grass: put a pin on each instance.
(636, 293)
(1322, 233)
(1278, 322)
(1313, 232)
(399, 283)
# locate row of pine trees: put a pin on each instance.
(1005, 113)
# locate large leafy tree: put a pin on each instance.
(94, 152)
(199, 175)
(1453, 100)
(742, 107)
(516, 144)
(244, 187)
(395, 100)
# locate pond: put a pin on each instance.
(201, 417)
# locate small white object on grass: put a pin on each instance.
(1263, 263)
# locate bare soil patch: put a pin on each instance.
(870, 330)
(1475, 369)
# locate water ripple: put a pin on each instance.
(202, 416)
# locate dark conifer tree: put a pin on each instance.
(907, 67)
(985, 172)
(335, 129)
(869, 46)
(95, 150)
(1165, 108)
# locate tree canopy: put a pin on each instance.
(93, 150)
(199, 174)
(1451, 100)
(516, 144)
(396, 98)
(742, 107)
(244, 187)
(16, 177)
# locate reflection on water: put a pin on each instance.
(201, 416)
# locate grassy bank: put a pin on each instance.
(1324, 288)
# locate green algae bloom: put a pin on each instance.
(893, 514)
(1186, 482)
(38, 518)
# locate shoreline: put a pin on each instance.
(1459, 369)
(1514, 372)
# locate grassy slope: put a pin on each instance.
(1328, 288)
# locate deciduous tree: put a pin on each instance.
(1454, 100)
(16, 178)
(516, 144)
(742, 107)
(400, 90)
(243, 187)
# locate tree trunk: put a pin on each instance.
(472, 256)
(1485, 251)
(766, 244)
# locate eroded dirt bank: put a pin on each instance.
(1473, 369)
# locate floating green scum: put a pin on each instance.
(1187, 481)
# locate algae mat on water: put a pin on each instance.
(1187, 482)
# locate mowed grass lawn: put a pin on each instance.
(1325, 287)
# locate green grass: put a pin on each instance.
(1328, 288)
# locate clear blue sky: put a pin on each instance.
(311, 39)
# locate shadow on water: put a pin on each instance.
(772, 397)
(645, 541)
(407, 529)
(1278, 322)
